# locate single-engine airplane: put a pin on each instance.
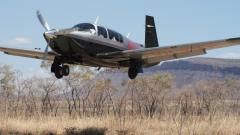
(97, 46)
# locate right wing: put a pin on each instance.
(158, 54)
(28, 53)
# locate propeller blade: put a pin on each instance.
(43, 64)
(42, 21)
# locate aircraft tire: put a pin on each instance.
(66, 70)
(132, 72)
(58, 72)
(54, 68)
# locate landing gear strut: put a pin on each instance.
(59, 69)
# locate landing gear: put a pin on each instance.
(66, 70)
(58, 72)
(134, 68)
(59, 69)
(132, 72)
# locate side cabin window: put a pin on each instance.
(120, 38)
(102, 32)
(85, 27)
(115, 36)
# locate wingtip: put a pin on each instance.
(233, 39)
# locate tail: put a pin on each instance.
(151, 39)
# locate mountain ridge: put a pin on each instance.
(186, 71)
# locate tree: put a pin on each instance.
(7, 87)
(150, 92)
(77, 85)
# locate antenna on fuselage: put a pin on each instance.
(129, 34)
(96, 21)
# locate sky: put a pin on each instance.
(177, 22)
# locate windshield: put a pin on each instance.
(84, 27)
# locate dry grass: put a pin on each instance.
(113, 126)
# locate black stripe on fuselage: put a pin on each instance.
(93, 48)
(70, 45)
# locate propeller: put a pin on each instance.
(44, 61)
(42, 21)
(49, 34)
(47, 28)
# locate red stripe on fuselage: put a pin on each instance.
(132, 45)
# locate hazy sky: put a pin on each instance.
(177, 21)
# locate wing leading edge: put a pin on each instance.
(158, 54)
(28, 53)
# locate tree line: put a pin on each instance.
(88, 94)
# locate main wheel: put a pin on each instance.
(132, 72)
(59, 72)
(54, 67)
(66, 70)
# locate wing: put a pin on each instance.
(157, 54)
(27, 53)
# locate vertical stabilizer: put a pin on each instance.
(151, 39)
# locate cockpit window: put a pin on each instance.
(84, 27)
(102, 32)
(115, 36)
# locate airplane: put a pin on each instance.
(90, 44)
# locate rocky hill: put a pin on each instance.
(187, 71)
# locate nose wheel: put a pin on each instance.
(66, 70)
(60, 70)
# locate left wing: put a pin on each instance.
(28, 53)
(157, 54)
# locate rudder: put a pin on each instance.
(151, 39)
